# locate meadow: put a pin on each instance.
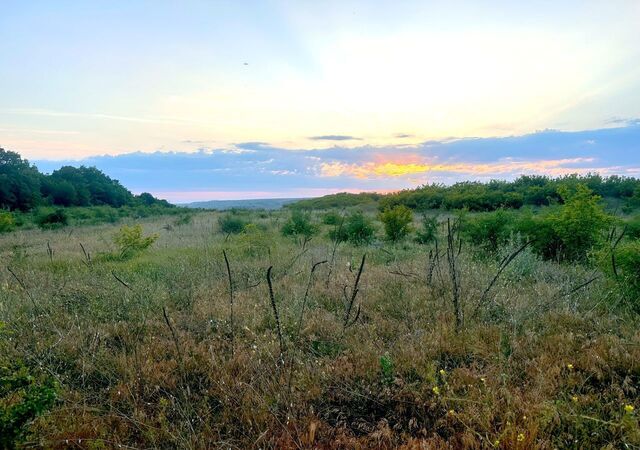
(281, 329)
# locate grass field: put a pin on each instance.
(154, 350)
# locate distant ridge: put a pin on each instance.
(259, 203)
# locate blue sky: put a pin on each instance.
(340, 94)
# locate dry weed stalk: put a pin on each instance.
(275, 315)
(231, 318)
(454, 274)
(350, 300)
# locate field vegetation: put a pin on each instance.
(379, 327)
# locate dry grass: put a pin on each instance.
(534, 369)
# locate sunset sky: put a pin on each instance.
(240, 99)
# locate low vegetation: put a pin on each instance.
(347, 328)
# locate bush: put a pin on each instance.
(130, 240)
(299, 225)
(489, 231)
(429, 231)
(633, 227)
(7, 222)
(397, 222)
(231, 224)
(23, 397)
(569, 231)
(357, 229)
(57, 218)
(331, 218)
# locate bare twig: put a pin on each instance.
(349, 301)
(503, 265)
(121, 281)
(275, 314)
(49, 252)
(453, 273)
(231, 318)
(336, 242)
(23, 286)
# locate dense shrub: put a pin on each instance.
(130, 240)
(633, 227)
(397, 222)
(23, 397)
(428, 231)
(57, 218)
(7, 221)
(231, 224)
(299, 226)
(489, 231)
(568, 231)
(357, 229)
(331, 218)
(628, 263)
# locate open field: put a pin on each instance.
(151, 351)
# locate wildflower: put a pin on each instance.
(570, 366)
(574, 399)
(520, 437)
(484, 380)
(436, 390)
(524, 417)
(496, 442)
(628, 408)
(452, 412)
(443, 372)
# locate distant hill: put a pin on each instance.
(259, 203)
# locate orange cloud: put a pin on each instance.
(398, 169)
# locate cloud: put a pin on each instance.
(334, 137)
(403, 135)
(259, 167)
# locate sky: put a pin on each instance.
(220, 99)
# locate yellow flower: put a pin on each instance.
(629, 408)
(452, 412)
(520, 437)
(443, 372)
(496, 442)
(484, 380)
(524, 417)
(574, 399)
(436, 390)
(570, 366)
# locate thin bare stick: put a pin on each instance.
(336, 242)
(503, 265)
(453, 273)
(49, 252)
(226, 261)
(87, 255)
(121, 281)
(349, 302)
(275, 314)
(23, 286)
(614, 266)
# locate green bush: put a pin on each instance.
(357, 229)
(489, 231)
(231, 224)
(7, 221)
(130, 240)
(331, 218)
(429, 230)
(397, 222)
(299, 225)
(23, 397)
(55, 219)
(571, 230)
(633, 227)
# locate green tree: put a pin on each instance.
(299, 226)
(19, 182)
(397, 222)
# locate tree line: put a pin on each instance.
(23, 187)
(532, 190)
